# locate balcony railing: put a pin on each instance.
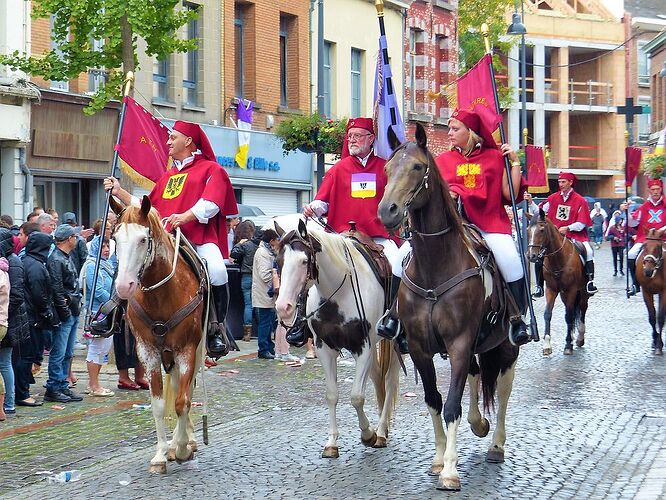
(587, 93)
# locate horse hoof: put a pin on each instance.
(330, 452)
(159, 468)
(183, 460)
(171, 455)
(495, 456)
(547, 351)
(193, 445)
(483, 429)
(370, 442)
(380, 443)
(580, 342)
(449, 484)
(435, 469)
(568, 350)
(658, 352)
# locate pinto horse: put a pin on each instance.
(166, 314)
(651, 276)
(564, 274)
(446, 305)
(344, 303)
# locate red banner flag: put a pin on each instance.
(633, 162)
(537, 177)
(143, 152)
(475, 93)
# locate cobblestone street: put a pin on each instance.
(588, 425)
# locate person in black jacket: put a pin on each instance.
(41, 315)
(246, 242)
(18, 332)
(67, 302)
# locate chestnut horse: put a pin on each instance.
(166, 317)
(344, 303)
(564, 274)
(446, 303)
(651, 276)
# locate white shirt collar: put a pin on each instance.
(364, 161)
(180, 164)
(565, 196)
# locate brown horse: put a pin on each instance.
(564, 274)
(446, 305)
(166, 314)
(651, 276)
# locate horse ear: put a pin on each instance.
(421, 137)
(278, 229)
(542, 214)
(145, 205)
(302, 229)
(115, 205)
(393, 140)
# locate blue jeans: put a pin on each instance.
(7, 372)
(62, 353)
(246, 287)
(266, 324)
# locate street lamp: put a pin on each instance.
(518, 28)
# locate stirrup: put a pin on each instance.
(591, 288)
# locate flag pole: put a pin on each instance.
(507, 167)
(129, 78)
(627, 191)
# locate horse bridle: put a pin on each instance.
(658, 261)
(542, 250)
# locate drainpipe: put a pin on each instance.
(27, 182)
(310, 35)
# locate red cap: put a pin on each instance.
(655, 182)
(198, 137)
(473, 122)
(569, 176)
(364, 123)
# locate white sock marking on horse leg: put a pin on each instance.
(157, 404)
(450, 470)
(504, 387)
(328, 359)
(474, 415)
(440, 438)
(363, 365)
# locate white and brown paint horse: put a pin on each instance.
(145, 257)
(344, 303)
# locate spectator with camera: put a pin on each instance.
(67, 302)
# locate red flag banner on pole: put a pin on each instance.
(633, 162)
(537, 177)
(475, 93)
(143, 152)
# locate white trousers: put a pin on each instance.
(590, 251)
(506, 255)
(210, 252)
(394, 254)
(634, 251)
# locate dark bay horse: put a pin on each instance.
(344, 303)
(448, 307)
(651, 276)
(166, 315)
(564, 275)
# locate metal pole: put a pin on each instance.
(627, 191)
(114, 167)
(320, 82)
(523, 85)
(507, 167)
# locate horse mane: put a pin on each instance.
(134, 215)
(334, 245)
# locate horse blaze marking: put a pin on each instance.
(655, 215)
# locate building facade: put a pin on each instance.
(656, 51)
(430, 63)
(575, 80)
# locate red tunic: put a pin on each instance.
(178, 191)
(649, 216)
(353, 192)
(477, 179)
(575, 209)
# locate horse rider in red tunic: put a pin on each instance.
(195, 195)
(351, 191)
(570, 213)
(650, 215)
(474, 169)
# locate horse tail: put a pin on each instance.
(489, 363)
(387, 358)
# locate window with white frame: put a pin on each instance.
(239, 40)
(328, 78)
(96, 76)
(643, 66)
(191, 62)
(56, 85)
(161, 80)
(356, 65)
(284, 30)
(643, 120)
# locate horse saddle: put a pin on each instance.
(582, 251)
(373, 253)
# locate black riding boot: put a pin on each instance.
(217, 342)
(538, 271)
(518, 335)
(109, 323)
(589, 270)
(635, 287)
(298, 335)
(389, 329)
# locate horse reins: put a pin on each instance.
(657, 261)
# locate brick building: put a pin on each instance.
(431, 57)
(656, 51)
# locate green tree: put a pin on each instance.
(471, 15)
(119, 24)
